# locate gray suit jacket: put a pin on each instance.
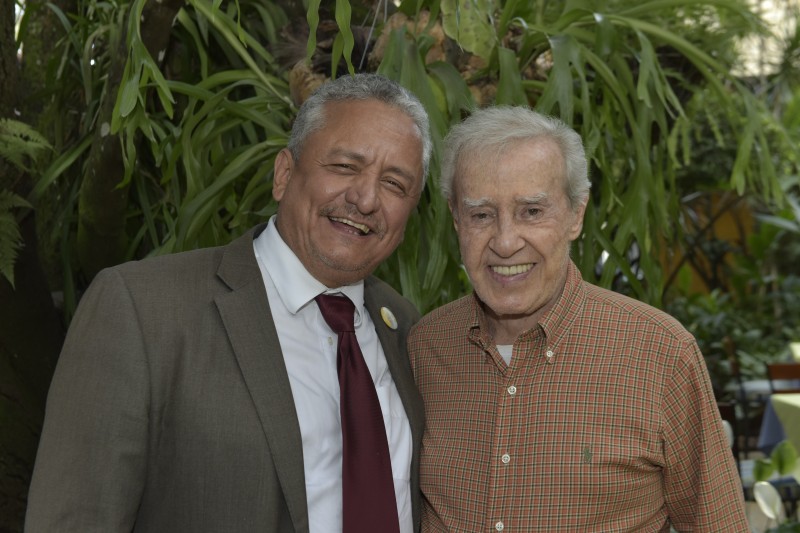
(171, 410)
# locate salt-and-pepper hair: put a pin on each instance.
(311, 116)
(494, 129)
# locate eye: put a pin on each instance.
(341, 167)
(395, 185)
(532, 212)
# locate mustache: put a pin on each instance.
(350, 211)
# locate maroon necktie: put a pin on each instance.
(369, 504)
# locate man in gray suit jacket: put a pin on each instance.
(198, 391)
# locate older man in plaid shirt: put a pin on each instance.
(554, 405)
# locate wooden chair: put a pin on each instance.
(784, 377)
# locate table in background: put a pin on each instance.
(781, 421)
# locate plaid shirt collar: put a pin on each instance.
(554, 324)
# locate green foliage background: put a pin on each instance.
(648, 84)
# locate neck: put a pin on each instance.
(506, 329)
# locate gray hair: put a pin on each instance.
(495, 128)
(311, 116)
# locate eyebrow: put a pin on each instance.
(480, 202)
(361, 158)
(540, 198)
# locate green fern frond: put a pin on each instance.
(10, 237)
(20, 144)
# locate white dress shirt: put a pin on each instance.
(309, 350)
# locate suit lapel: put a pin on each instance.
(394, 346)
(396, 357)
(246, 315)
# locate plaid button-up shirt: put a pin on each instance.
(604, 421)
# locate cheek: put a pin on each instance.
(397, 215)
(471, 249)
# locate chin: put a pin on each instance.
(505, 308)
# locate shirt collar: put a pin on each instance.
(557, 321)
(554, 323)
(295, 286)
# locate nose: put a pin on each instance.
(507, 239)
(363, 194)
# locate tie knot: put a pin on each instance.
(337, 312)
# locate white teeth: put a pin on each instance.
(512, 270)
(364, 229)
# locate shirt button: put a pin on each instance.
(330, 341)
(512, 390)
(499, 526)
(549, 353)
(506, 458)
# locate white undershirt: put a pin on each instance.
(506, 351)
(309, 351)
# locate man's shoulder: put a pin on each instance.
(178, 268)
(627, 312)
(187, 263)
(456, 315)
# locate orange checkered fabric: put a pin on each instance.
(604, 421)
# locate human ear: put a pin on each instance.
(577, 221)
(282, 173)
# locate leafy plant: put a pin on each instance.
(630, 76)
(200, 121)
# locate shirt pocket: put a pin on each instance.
(398, 430)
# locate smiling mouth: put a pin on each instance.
(511, 270)
(360, 227)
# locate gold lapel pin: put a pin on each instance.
(388, 317)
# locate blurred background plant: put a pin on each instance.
(164, 119)
(781, 466)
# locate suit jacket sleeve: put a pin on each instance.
(90, 468)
